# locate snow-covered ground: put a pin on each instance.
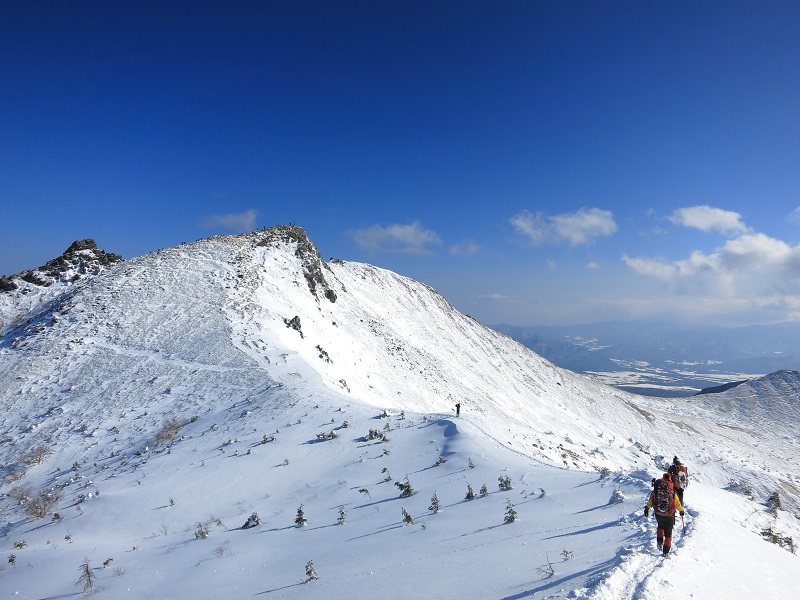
(206, 333)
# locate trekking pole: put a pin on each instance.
(684, 526)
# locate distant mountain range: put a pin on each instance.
(658, 359)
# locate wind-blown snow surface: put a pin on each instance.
(207, 333)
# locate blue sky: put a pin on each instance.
(536, 162)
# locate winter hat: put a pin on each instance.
(675, 460)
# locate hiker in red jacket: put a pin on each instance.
(664, 501)
(680, 476)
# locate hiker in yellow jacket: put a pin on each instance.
(664, 501)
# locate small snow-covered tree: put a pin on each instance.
(87, 578)
(470, 493)
(300, 519)
(617, 496)
(407, 518)
(342, 516)
(511, 514)
(311, 574)
(406, 490)
(484, 491)
(505, 482)
(434, 507)
(470, 464)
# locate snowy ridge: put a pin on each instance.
(278, 366)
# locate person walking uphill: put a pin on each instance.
(664, 501)
(680, 476)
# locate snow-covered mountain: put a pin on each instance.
(172, 395)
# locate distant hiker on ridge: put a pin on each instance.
(680, 476)
(664, 501)
(458, 409)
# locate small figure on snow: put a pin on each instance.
(664, 501)
(458, 409)
(680, 476)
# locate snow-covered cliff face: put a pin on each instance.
(261, 314)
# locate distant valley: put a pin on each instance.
(659, 359)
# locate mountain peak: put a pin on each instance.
(314, 267)
(83, 257)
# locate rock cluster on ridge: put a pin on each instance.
(83, 257)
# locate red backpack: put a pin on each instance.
(664, 492)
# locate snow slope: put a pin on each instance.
(260, 349)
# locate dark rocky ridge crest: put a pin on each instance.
(83, 257)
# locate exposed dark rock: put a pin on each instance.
(6, 285)
(83, 257)
(294, 323)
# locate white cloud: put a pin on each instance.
(578, 228)
(794, 216)
(592, 265)
(409, 239)
(466, 248)
(237, 222)
(750, 265)
(494, 297)
(707, 218)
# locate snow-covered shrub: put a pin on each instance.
(511, 514)
(36, 456)
(311, 574)
(200, 531)
(774, 504)
(434, 507)
(616, 496)
(407, 518)
(505, 483)
(776, 538)
(21, 494)
(41, 506)
(342, 516)
(405, 488)
(484, 491)
(252, 521)
(300, 519)
(169, 430)
(470, 493)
